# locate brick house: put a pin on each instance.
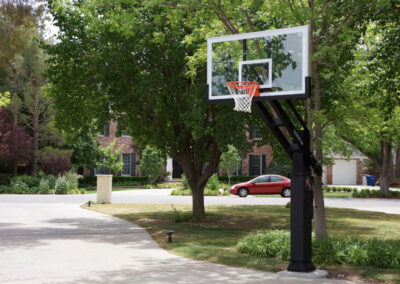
(252, 165)
(129, 155)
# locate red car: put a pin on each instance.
(266, 184)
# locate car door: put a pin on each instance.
(276, 184)
(260, 185)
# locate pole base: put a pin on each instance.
(301, 266)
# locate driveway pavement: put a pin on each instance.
(55, 242)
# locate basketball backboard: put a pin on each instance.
(276, 59)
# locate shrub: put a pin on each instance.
(181, 217)
(332, 250)
(118, 180)
(4, 189)
(181, 191)
(235, 179)
(185, 182)
(213, 183)
(55, 161)
(67, 183)
(44, 186)
(4, 179)
(211, 192)
(61, 185)
(28, 180)
(19, 187)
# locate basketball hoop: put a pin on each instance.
(243, 92)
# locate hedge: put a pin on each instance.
(235, 179)
(118, 180)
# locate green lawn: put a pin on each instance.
(326, 194)
(214, 238)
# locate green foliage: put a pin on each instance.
(67, 183)
(279, 169)
(363, 193)
(4, 179)
(118, 180)
(4, 99)
(180, 217)
(181, 191)
(235, 179)
(230, 161)
(213, 183)
(19, 187)
(28, 180)
(44, 186)
(4, 189)
(329, 251)
(185, 182)
(86, 151)
(151, 163)
(112, 161)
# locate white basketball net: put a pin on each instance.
(243, 92)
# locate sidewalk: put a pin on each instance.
(62, 243)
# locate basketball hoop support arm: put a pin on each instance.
(298, 148)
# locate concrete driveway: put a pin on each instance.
(45, 242)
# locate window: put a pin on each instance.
(106, 130)
(275, 179)
(254, 133)
(122, 129)
(262, 179)
(101, 170)
(257, 165)
(126, 167)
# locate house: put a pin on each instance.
(345, 171)
(129, 155)
(252, 165)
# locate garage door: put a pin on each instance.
(344, 172)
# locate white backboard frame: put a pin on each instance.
(262, 34)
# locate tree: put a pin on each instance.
(151, 163)
(335, 28)
(131, 64)
(230, 162)
(87, 151)
(54, 161)
(112, 160)
(371, 113)
(36, 103)
(15, 143)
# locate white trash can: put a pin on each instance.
(104, 188)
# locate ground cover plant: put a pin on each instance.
(215, 238)
(212, 188)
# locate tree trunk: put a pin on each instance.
(397, 170)
(35, 136)
(198, 209)
(386, 153)
(14, 142)
(319, 205)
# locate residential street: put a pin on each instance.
(162, 196)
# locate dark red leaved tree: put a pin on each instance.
(18, 152)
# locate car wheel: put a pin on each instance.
(243, 192)
(286, 192)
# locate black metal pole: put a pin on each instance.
(300, 213)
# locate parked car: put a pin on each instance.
(266, 184)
